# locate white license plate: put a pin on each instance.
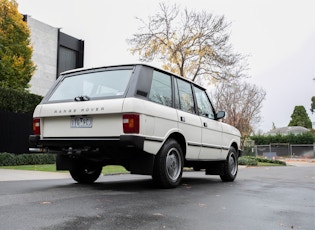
(81, 122)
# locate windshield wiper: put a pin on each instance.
(82, 98)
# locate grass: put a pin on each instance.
(110, 169)
(45, 168)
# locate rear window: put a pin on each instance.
(94, 85)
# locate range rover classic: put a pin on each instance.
(148, 120)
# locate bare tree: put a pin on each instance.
(191, 44)
(242, 103)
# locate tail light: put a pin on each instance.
(36, 126)
(131, 123)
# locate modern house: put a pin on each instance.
(53, 53)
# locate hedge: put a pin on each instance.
(16, 101)
(305, 138)
(9, 159)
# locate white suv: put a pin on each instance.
(148, 120)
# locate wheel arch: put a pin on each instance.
(181, 141)
(235, 146)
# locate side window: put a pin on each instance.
(161, 89)
(186, 100)
(203, 104)
(176, 95)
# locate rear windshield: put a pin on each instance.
(92, 85)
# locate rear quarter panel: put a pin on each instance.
(156, 122)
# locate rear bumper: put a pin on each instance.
(120, 142)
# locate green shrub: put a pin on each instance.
(8, 159)
(253, 161)
(249, 161)
(266, 160)
(16, 101)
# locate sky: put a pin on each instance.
(277, 35)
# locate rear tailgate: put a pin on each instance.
(99, 118)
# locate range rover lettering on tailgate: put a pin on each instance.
(148, 120)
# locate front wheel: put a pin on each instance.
(168, 165)
(85, 174)
(230, 166)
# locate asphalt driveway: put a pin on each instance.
(260, 198)
(16, 175)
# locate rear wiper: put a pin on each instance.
(82, 98)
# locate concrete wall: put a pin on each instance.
(44, 39)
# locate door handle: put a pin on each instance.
(182, 119)
(205, 124)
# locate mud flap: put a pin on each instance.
(142, 164)
(63, 162)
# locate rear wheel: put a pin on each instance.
(85, 174)
(230, 166)
(168, 165)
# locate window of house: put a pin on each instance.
(67, 59)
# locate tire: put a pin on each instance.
(85, 174)
(168, 165)
(230, 166)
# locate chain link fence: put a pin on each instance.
(285, 150)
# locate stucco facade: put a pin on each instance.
(44, 39)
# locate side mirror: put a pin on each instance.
(220, 115)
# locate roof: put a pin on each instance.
(288, 130)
